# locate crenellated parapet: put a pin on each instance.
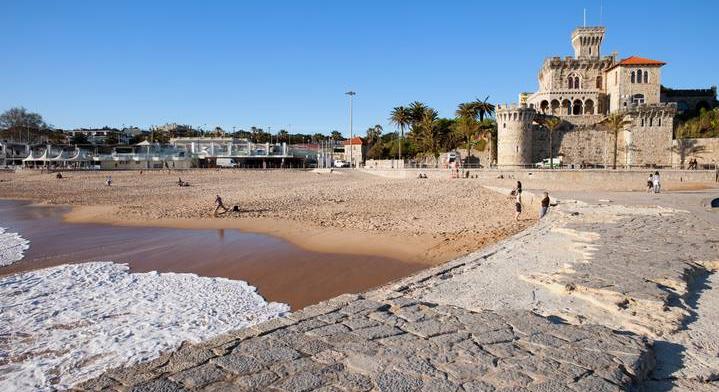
(514, 130)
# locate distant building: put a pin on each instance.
(582, 90)
(356, 149)
(99, 136)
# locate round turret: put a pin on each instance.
(514, 136)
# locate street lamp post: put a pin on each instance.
(351, 94)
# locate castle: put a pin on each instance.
(582, 90)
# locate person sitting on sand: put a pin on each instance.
(544, 207)
(58, 175)
(219, 204)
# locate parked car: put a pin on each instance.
(557, 161)
(341, 163)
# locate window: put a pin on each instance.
(632, 77)
(639, 76)
(599, 82)
(638, 99)
(659, 122)
(651, 121)
(576, 82)
(590, 51)
(642, 122)
(615, 78)
(570, 82)
(646, 77)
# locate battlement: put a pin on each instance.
(665, 109)
(587, 41)
(513, 107)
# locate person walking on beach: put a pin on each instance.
(544, 206)
(656, 182)
(219, 204)
(517, 203)
(108, 181)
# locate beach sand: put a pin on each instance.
(413, 220)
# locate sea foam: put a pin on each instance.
(12, 247)
(66, 324)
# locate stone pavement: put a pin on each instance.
(580, 302)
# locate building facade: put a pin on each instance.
(582, 90)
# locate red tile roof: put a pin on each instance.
(354, 141)
(634, 60)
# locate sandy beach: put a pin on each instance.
(419, 221)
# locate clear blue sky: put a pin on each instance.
(282, 63)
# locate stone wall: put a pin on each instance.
(576, 145)
(705, 151)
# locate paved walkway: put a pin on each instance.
(600, 296)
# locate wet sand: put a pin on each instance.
(281, 271)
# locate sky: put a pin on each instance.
(287, 64)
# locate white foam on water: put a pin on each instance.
(66, 324)
(12, 247)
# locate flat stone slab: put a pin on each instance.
(450, 349)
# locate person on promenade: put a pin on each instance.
(716, 172)
(219, 204)
(656, 182)
(650, 183)
(544, 206)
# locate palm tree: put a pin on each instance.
(416, 111)
(552, 123)
(485, 109)
(614, 123)
(374, 134)
(428, 135)
(401, 117)
(466, 125)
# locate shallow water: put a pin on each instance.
(281, 271)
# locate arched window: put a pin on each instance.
(646, 77)
(639, 76)
(633, 80)
(659, 122)
(642, 122)
(599, 82)
(570, 82)
(577, 107)
(576, 82)
(651, 121)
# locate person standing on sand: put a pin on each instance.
(108, 181)
(650, 183)
(219, 204)
(544, 206)
(656, 182)
(518, 203)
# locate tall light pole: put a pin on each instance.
(351, 94)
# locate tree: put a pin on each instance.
(283, 136)
(377, 151)
(318, 137)
(613, 124)
(111, 138)
(336, 136)
(79, 138)
(428, 135)
(19, 121)
(551, 123)
(401, 117)
(466, 126)
(374, 135)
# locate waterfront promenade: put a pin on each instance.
(612, 292)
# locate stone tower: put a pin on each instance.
(587, 42)
(514, 131)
